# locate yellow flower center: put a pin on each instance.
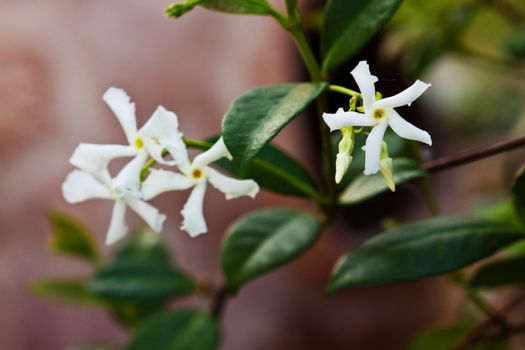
(139, 143)
(379, 114)
(197, 173)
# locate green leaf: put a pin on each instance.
(515, 45)
(367, 186)
(440, 338)
(499, 273)
(70, 290)
(70, 237)
(348, 25)
(140, 281)
(245, 7)
(144, 245)
(258, 115)
(264, 240)
(518, 190)
(422, 249)
(177, 330)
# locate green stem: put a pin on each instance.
(343, 90)
(306, 52)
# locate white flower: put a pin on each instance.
(379, 114)
(81, 185)
(160, 132)
(196, 174)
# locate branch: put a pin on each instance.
(473, 155)
(219, 302)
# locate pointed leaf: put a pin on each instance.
(508, 271)
(243, 7)
(265, 240)
(348, 25)
(258, 115)
(177, 330)
(422, 249)
(367, 186)
(70, 290)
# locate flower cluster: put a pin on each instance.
(377, 113)
(158, 138)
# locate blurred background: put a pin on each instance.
(57, 58)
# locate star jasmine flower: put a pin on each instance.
(124, 189)
(196, 174)
(379, 114)
(160, 132)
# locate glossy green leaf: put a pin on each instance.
(367, 186)
(264, 240)
(348, 25)
(502, 272)
(139, 280)
(69, 290)
(422, 249)
(258, 115)
(70, 237)
(440, 338)
(177, 330)
(245, 7)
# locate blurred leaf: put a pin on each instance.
(246, 7)
(257, 116)
(503, 272)
(367, 186)
(177, 330)
(440, 338)
(264, 240)
(140, 280)
(70, 290)
(515, 45)
(144, 245)
(421, 249)
(70, 237)
(349, 25)
(518, 190)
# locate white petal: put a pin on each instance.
(342, 162)
(80, 186)
(148, 213)
(155, 151)
(160, 181)
(232, 188)
(117, 228)
(342, 119)
(216, 152)
(405, 97)
(372, 148)
(365, 81)
(407, 130)
(95, 158)
(121, 105)
(194, 222)
(128, 179)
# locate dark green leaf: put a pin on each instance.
(258, 115)
(144, 245)
(70, 237)
(140, 280)
(70, 290)
(440, 338)
(265, 240)
(422, 249)
(177, 330)
(367, 186)
(348, 25)
(503, 272)
(246, 7)
(516, 45)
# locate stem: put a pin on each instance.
(473, 155)
(219, 301)
(343, 90)
(306, 52)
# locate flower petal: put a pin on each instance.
(121, 105)
(127, 182)
(216, 152)
(194, 222)
(95, 158)
(407, 130)
(405, 97)
(80, 186)
(342, 119)
(232, 188)
(372, 148)
(342, 163)
(365, 81)
(117, 228)
(160, 181)
(148, 213)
